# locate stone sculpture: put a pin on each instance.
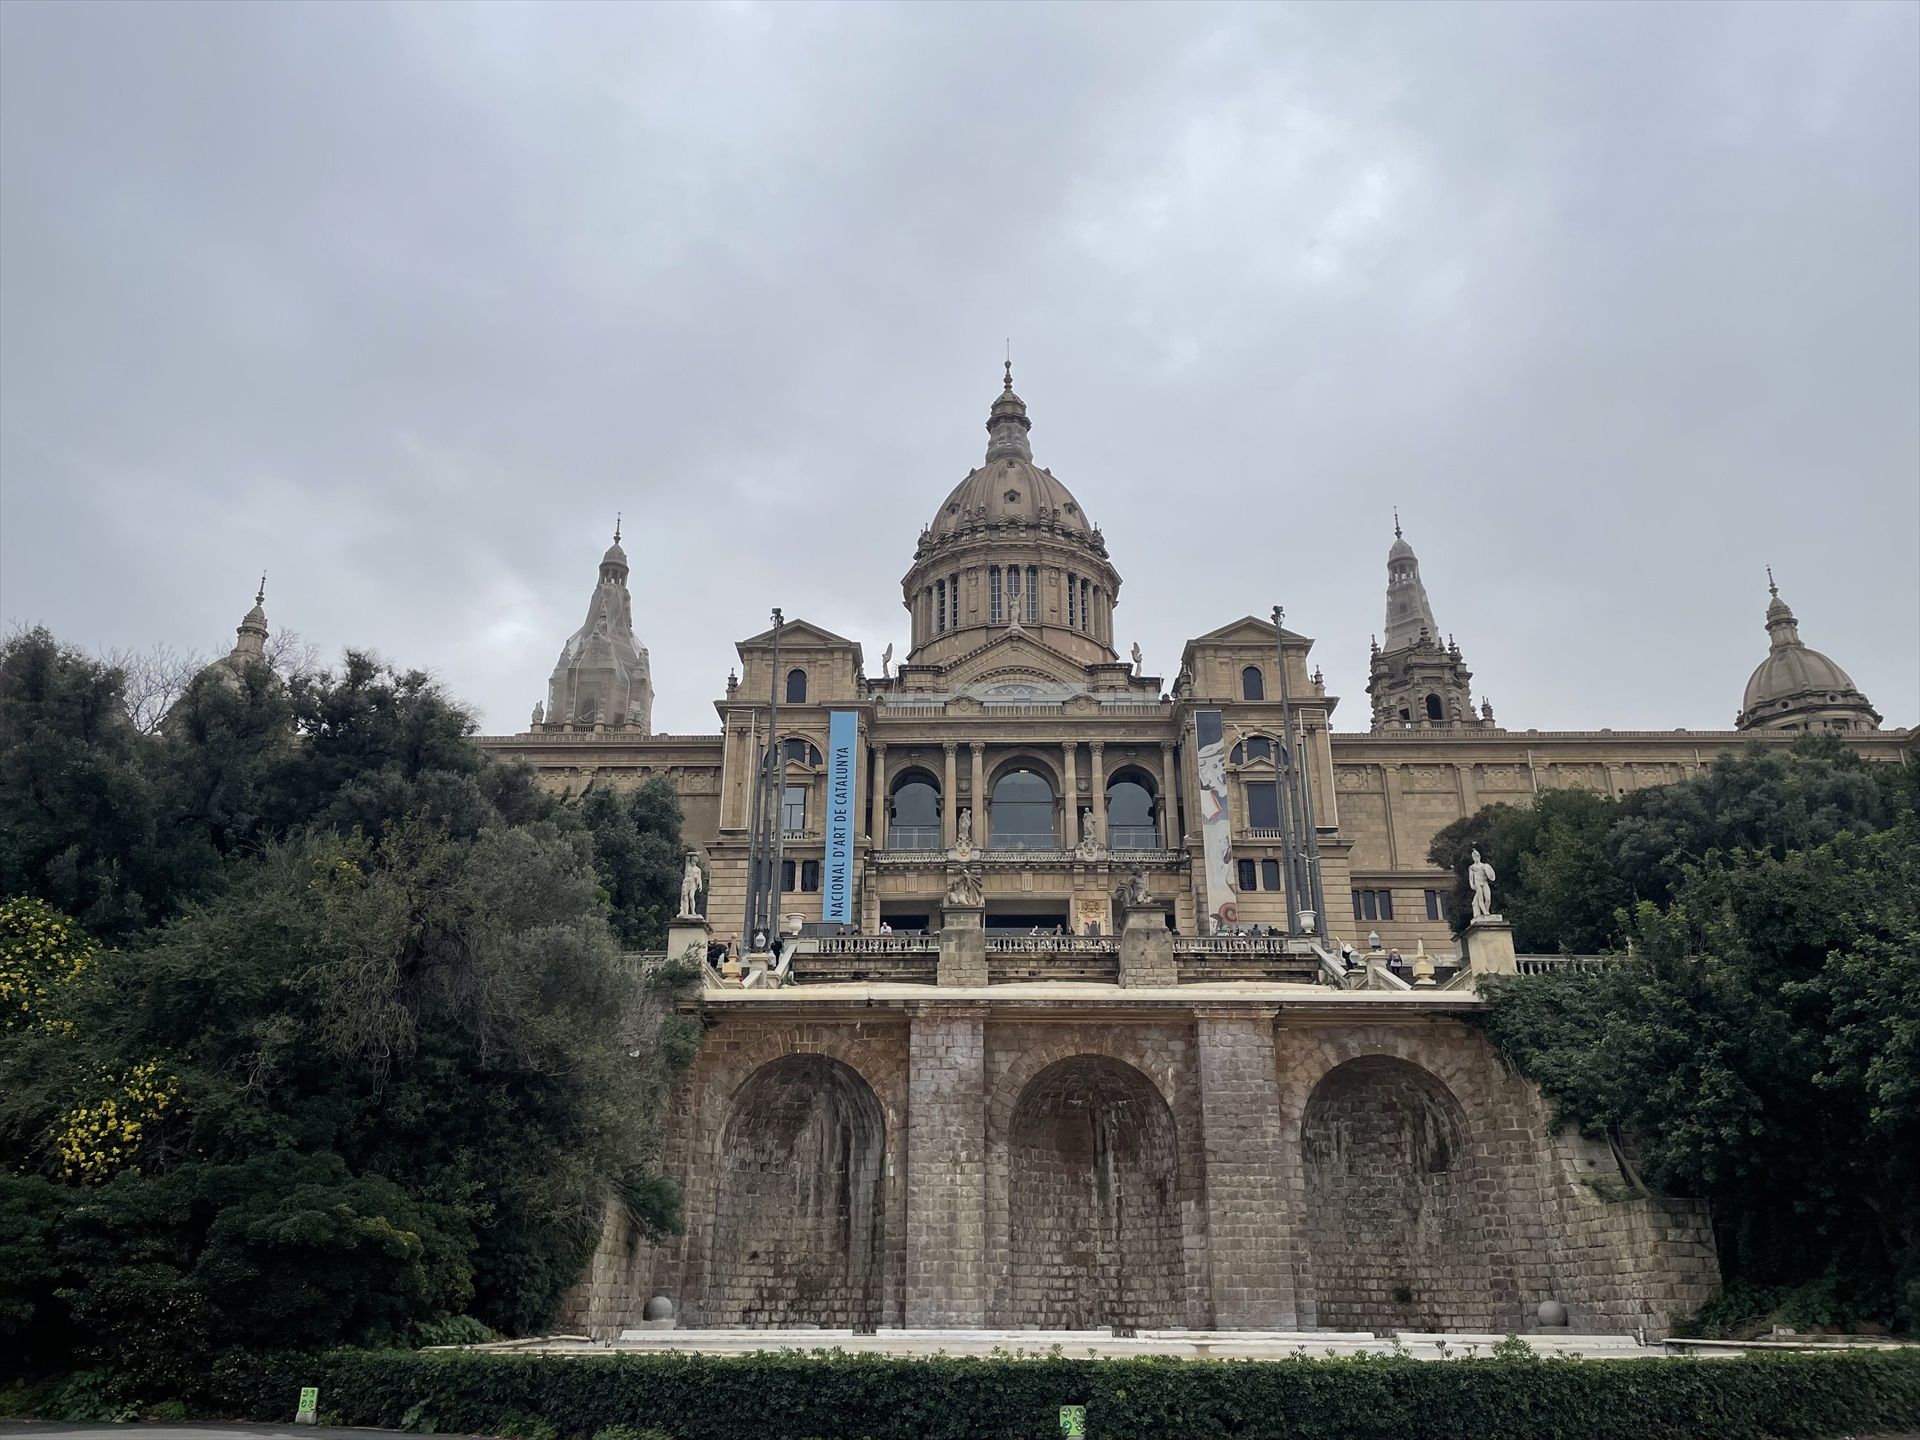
(964, 891)
(886, 659)
(1139, 665)
(1133, 890)
(690, 885)
(539, 714)
(1480, 877)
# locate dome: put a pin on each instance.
(614, 556)
(1009, 490)
(1795, 670)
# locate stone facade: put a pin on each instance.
(1013, 1157)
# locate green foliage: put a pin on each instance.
(406, 1065)
(1762, 1049)
(704, 1397)
(638, 854)
(450, 1330)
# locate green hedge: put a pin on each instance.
(794, 1396)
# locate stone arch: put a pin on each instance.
(799, 1231)
(1016, 782)
(1393, 1216)
(1095, 1234)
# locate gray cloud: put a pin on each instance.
(402, 303)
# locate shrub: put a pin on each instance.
(877, 1397)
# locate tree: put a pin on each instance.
(639, 855)
(1556, 886)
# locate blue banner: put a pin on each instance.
(843, 798)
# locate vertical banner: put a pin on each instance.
(843, 794)
(1216, 821)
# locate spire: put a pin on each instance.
(251, 642)
(616, 527)
(1782, 629)
(1409, 613)
(1007, 424)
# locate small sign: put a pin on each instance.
(309, 1402)
(1073, 1422)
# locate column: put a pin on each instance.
(1070, 787)
(979, 795)
(949, 799)
(946, 1168)
(1250, 1233)
(880, 796)
(1169, 799)
(1097, 778)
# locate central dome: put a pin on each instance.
(1009, 488)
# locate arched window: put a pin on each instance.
(1130, 813)
(1022, 813)
(1434, 712)
(1255, 747)
(797, 751)
(796, 687)
(913, 821)
(1253, 685)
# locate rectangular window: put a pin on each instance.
(1013, 588)
(940, 607)
(953, 598)
(1033, 592)
(809, 875)
(1086, 605)
(793, 809)
(1247, 876)
(1270, 875)
(1373, 904)
(993, 593)
(786, 875)
(1073, 601)
(1263, 805)
(1435, 904)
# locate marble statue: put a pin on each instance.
(966, 829)
(1139, 665)
(964, 891)
(1480, 877)
(886, 659)
(690, 886)
(1089, 846)
(1133, 890)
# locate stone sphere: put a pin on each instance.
(1552, 1312)
(659, 1308)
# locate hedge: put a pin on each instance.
(789, 1395)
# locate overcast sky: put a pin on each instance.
(401, 303)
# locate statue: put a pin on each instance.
(1089, 846)
(1139, 666)
(964, 891)
(690, 885)
(539, 714)
(966, 829)
(1133, 890)
(886, 659)
(1480, 877)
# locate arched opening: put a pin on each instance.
(1386, 1151)
(796, 687)
(798, 1236)
(1022, 811)
(1130, 811)
(1434, 710)
(1092, 1205)
(1253, 685)
(913, 819)
(798, 751)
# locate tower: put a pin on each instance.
(1416, 682)
(1798, 688)
(602, 677)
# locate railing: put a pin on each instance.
(1134, 837)
(1050, 944)
(1553, 964)
(1230, 945)
(913, 837)
(869, 945)
(1263, 832)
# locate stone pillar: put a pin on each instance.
(1169, 799)
(880, 797)
(1146, 946)
(1250, 1236)
(979, 795)
(1489, 946)
(688, 932)
(946, 1168)
(1097, 779)
(963, 946)
(1070, 786)
(949, 799)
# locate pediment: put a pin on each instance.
(1247, 630)
(1015, 667)
(801, 635)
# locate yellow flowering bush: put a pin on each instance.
(94, 1140)
(41, 952)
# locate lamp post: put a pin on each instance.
(767, 843)
(1283, 785)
